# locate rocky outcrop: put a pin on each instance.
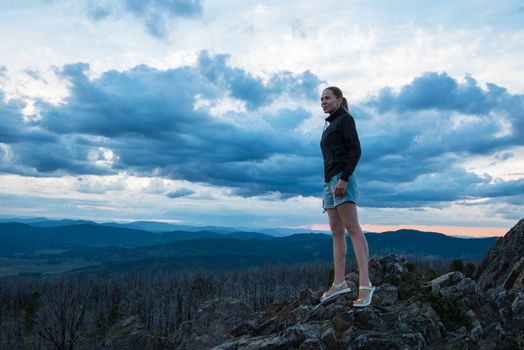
(130, 334)
(213, 323)
(451, 311)
(407, 312)
(503, 265)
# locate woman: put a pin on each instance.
(341, 151)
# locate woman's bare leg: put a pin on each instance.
(339, 246)
(349, 216)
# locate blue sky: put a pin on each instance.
(207, 112)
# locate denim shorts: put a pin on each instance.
(351, 194)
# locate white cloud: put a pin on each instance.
(505, 165)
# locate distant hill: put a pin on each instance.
(57, 223)
(112, 248)
(155, 226)
(227, 253)
(413, 242)
(21, 238)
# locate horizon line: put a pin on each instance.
(449, 230)
(453, 231)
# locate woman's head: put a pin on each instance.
(332, 98)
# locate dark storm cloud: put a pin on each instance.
(414, 146)
(147, 117)
(154, 14)
(14, 128)
(430, 127)
(253, 90)
(435, 115)
(439, 91)
(11, 122)
(61, 157)
(427, 189)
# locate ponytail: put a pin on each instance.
(338, 93)
(345, 104)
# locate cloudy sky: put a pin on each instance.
(208, 112)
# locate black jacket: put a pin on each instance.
(340, 145)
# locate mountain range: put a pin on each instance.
(85, 246)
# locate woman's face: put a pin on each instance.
(329, 101)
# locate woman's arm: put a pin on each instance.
(349, 131)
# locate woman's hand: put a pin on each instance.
(340, 188)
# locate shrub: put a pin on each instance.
(411, 267)
(451, 312)
(430, 274)
(469, 270)
(456, 265)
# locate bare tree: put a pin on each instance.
(62, 313)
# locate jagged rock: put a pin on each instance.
(307, 297)
(390, 341)
(501, 303)
(390, 318)
(476, 333)
(130, 334)
(433, 331)
(449, 312)
(343, 304)
(312, 344)
(420, 316)
(212, 324)
(281, 315)
(367, 319)
(465, 290)
(245, 327)
(274, 322)
(413, 340)
(304, 331)
(376, 272)
(391, 268)
(300, 314)
(274, 307)
(517, 307)
(329, 338)
(270, 326)
(366, 341)
(259, 343)
(517, 311)
(502, 266)
(447, 280)
(494, 331)
(474, 317)
(183, 332)
(515, 277)
(343, 320)
(385, 294)
(305, 335)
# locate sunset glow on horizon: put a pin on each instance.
(476, 232)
